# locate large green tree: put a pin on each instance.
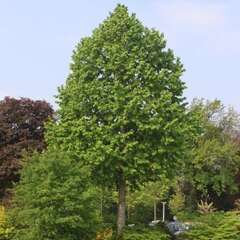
(122, 109)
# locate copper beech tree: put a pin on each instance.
(21, 129)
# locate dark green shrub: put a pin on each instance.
(141, 233)
(141, 214)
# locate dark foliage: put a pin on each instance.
(21, 129)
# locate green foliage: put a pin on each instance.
(2, 215)
(140, 202)
(187, 216)
(216, 165)
(215, 226)
(107, 201)
(150, 192)
(214, 161)
(229, 227)
(177, 201)
(146, 234)
(54, 200)
(6, 231)
(141, 214)
(122, 109)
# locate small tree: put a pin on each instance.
(122, 110)
(54, 200)
(177, 201)
(21, 129)
(149, 195)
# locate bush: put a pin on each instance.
(141, 214)
(229, 227)
(188, 216)
(205, 208)
(54, 200)
(146, 234)
(215, 226)
(2, 215)
(5, 230)
(105, 234)
(177, 202)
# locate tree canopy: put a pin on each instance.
(21, 129)
(214, 162)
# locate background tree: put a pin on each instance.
(21, 129)
(214, 162)
(122, 111)
(149, 197)
(176, 202)
(54, 200)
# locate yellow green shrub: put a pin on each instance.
(5, 230)
(215, 226)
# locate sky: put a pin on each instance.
(37, 39)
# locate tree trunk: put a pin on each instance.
(121, 218)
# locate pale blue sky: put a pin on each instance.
(37, 39)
